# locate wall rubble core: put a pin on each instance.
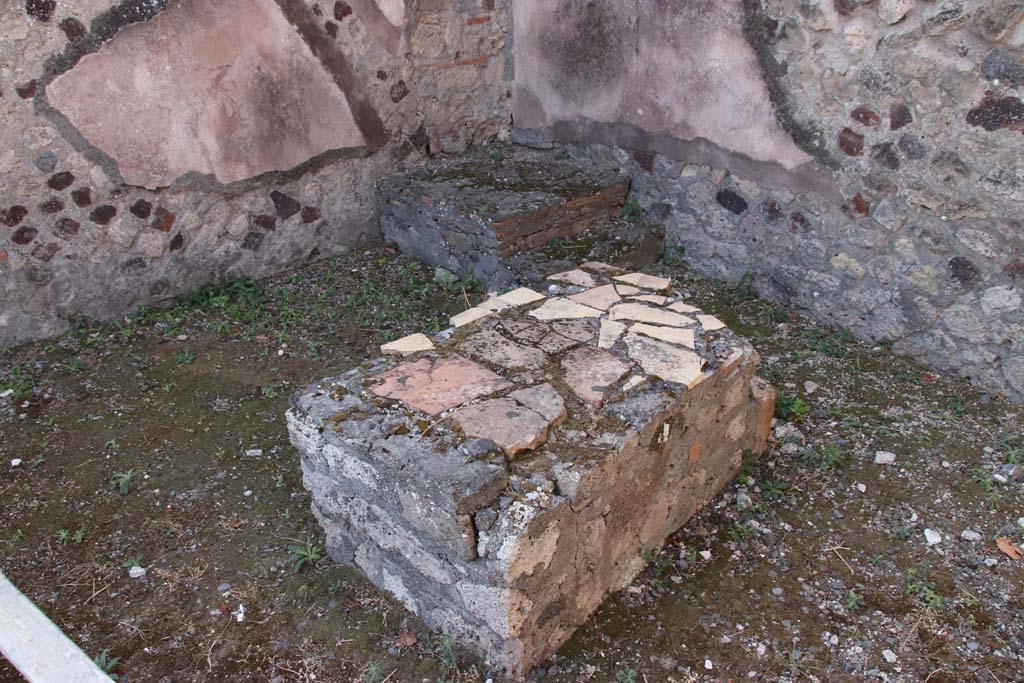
(470, 214)
(502, 481)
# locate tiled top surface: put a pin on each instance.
(514, 367)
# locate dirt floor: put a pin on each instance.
(159, 443)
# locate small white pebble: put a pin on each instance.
(705, 555)
(708, 665)
(884, 458)
(890, 656)
(970, 535)
(932, 537)
(862, 488)
(15, 462)
(247, 493)
(137, 572)
(1020, 522)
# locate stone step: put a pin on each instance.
(505, 476)
(469, 214)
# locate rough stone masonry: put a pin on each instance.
(501, 482)
(471, 213)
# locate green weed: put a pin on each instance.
(18, 382)
(301, 555)
(122, 481)
(626, 675)
(631, 211)
(133, 561)
(790, 408)
(106, 664)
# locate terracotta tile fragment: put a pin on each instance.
(434, 386)
(563, 309)
(599, 297)
(590, 372)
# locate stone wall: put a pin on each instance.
(150, 146)
(861, 159)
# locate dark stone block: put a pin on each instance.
(660, 211)
(913, 147)
(285, 206)
(310, 214)
(331, 28)
(419, 139)
(177, 242)
(46, 162)
(644, 159)
(253, 241)
(341, 10)
(949, 164)
(61, 181)
(53, 205)
(45, 252)
(82, 197)
(66, 228)
(103, 214)
(997, 112)
(137, 263)
(731, 201)
(40, 10)
(39, 275)
(141, 209)
(880, 180)
(14, 215)
(73, 29)
(163, 219)
(24, 235)
(866, 116)
(399, 91)
(26, 90)
(798, 222)
(885, 155)
(265, 222)
(851, 142)
(857, 207)
(899, 116)
(847, 7)
(1001, 66)
(771, 210)
(382, 75)
(964, 271)
(1014, 269)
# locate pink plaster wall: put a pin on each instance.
(666, 68)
